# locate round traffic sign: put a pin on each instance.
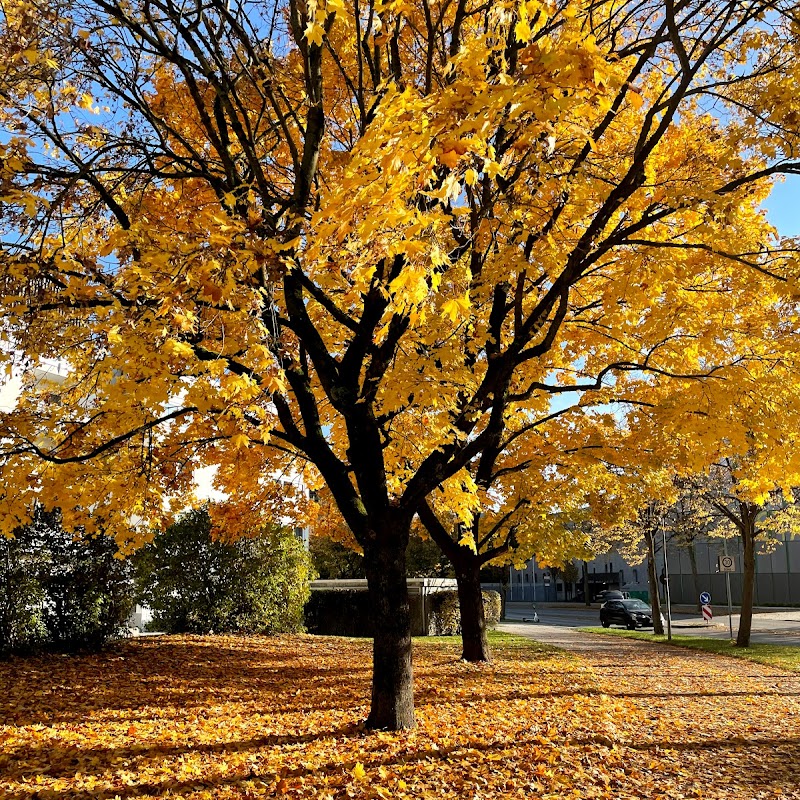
(727, 563)
(705, 598)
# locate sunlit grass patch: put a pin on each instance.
(776, 655)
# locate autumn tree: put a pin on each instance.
(756, 517)
(360, 241)
(517, 510)
(686, 521)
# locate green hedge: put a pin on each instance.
(347, 612)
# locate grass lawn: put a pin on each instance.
(776, 655)
(213, 717)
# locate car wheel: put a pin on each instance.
(631, 626)
(605, 623)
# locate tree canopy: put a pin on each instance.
(371, 241)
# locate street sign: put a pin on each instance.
(705, 598)
(708, 615)
(726, 564)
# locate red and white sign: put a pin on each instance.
(707, 613)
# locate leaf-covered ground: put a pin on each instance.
(225, 717)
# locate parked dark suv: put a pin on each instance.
(632, 614)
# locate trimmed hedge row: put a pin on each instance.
(347, 612)
(445, 616)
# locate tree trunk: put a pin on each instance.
(655, 602)
(586, 599)
(474, 643)
(695, 575)
(392, 676)
(748, 579)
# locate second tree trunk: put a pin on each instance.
(474, 640)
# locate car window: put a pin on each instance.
(615, 604)
(635, 605)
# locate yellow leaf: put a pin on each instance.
(635, 99)
(180, 349)
(449, 158)
(456, 307)
(359, 773)
(240, 440)
(314, 33)
(522, 30)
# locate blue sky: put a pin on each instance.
(783, 206)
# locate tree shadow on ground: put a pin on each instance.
(165, 672)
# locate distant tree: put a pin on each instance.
(424, 559)
(196, 583)
(740, 506)
(333, 560)
(336, 553)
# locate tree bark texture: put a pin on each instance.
(587, 600)
(475, 645)
(392, 676)
(655, 602)
(748, 579)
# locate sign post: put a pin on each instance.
(727, 564)
(666, 580)
(705, 607)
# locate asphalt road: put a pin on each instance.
(770, 626)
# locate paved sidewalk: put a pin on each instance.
(560, 636)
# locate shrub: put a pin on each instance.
(21, 598)
(445, 615)
(196, 584)
(61, 591)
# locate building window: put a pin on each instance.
(636, 576)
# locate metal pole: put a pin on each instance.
(666, 577)
(728, 588)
